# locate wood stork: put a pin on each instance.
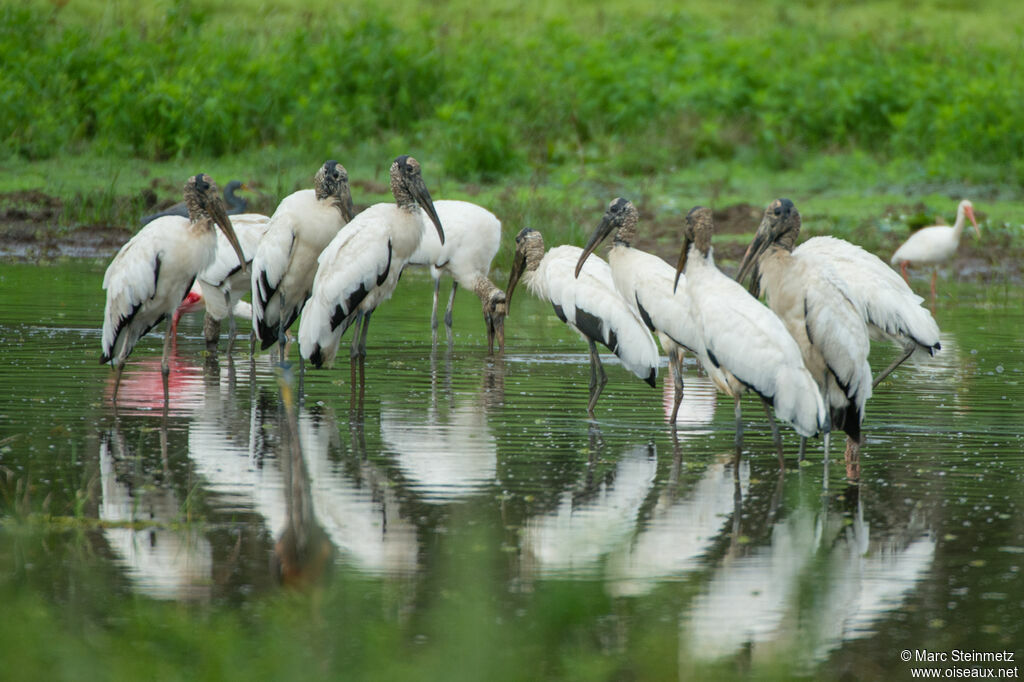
(647, 282)
(817, 307)
(360, 267)
(745, 345)
(285, 262)
(889, 307)
(233, 203)
(224, 282)
(195, 302)
(151, 274)
(587, 303)
(933, 245)
(472, 236)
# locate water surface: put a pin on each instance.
(449, 457)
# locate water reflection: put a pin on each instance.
(139, 510)
(681, 528)
(697, 407)
(591, 520)
(142, 385)
(820, 580)
(447, 451)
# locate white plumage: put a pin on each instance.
(359, 269)
(936, 244)
(224, 282)
(472, 237)
(285, 262)
(588, 303)
(886, 303)
(745, 345)
(816, 305)
(648, 284)
(151, 274)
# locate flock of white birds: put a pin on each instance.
(316, 260)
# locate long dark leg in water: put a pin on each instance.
(675, 365)
(776, 436)
(362, 334)
(433, 311)
(211, 333)
(739, 425)
(852, 457)
(451, 305)
(597, 378)
(282, 341)
(907, 350)
(353, 351)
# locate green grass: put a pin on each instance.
(541, 111)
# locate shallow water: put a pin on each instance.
(198, 501)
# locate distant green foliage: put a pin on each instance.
(642, 92)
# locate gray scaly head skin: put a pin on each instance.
(204, 203)
(697, 230)
(331, 182)
(408, 188)
(779, 226)
(529, 252)
(622, 217)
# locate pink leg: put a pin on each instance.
(934, 274)
(903, 269)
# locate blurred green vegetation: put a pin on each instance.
(534, 109)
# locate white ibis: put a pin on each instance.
(817, 307)
(224, 282)
(889, 307)
(472, 237)
(359, 269)
(588, 303)
(745, 345)
(233, 204)
(151, 274)
(282, 271)
(647, 282)
(933, 245)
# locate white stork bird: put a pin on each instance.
(817, 307)
(282, 271)
(647, 282)
(889, 307)
(156, 268)
(588, 303)
(224, 282)
(472, 237)
(745, 345)
(935, 244)
(359, 269)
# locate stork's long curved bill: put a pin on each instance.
(422, 196)
(681, 265)
(347, 208)
(220, 216)
(518, 267)
(603, 230)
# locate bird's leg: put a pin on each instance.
(852, 457)
(935, 274)
(353, 352)
(675, 364)
(739, 425)
(803, 447)
(598, 378)
(451, 306)
(362, 334)
(776, 436)
(232, 331)
(903, 269)
(165, 366)
(282, 340)
(211, 332)
(302, 379)
(907, 350)
(433, 311)
(118, 368)
(827, 436)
